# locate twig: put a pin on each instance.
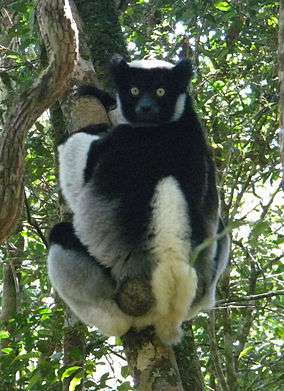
(33, 222)
(260, 296)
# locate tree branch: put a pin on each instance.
(61, 38)
(260, 296)
(34, 223)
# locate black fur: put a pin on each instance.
(64, 235)
(125, 166)
(95, 129)
(132, 161)
(128, 163)
(173, 81)
(106, 99)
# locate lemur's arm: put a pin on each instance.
(78, 156)
(106, 99)
(85, 285)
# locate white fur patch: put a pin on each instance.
(73, 155)
(120, 119)
(179, 107)
(150, 64)
(174, 281)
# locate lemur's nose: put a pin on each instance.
(146, 105)
(145, 108)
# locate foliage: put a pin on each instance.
(234, 48)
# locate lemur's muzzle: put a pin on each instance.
(147, 109)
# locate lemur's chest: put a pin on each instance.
(133, 166)
(133, 176)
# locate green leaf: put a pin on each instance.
(74, 383)
(222, 6)
(7, 350)
(261, 228)
(124, 371)
(124, 386)
(69, 371)
(245, 352)
(4, 334)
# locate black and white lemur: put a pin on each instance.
(144, 197)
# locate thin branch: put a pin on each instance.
(215, 354)
(260, 296)
(34, 223)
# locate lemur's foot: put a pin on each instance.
(134, 297)
(170, 333)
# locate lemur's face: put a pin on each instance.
(151, 92)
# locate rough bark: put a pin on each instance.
(102, 32)
(60, 35)
(10, 305)
(188, 362)
(9, 297)
(74, 346)
(281, 79)
(153, 365)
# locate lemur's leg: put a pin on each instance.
(174, 280)
(218, 263)
(86, 286)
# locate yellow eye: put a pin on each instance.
(160, 92)
(134, 91)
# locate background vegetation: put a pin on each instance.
(234, 48)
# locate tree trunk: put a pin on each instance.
(188, 362)
(10, 305)
(152, 364)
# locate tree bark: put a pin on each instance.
(61, 38)
(153, 365)
(10, 305)
(188, 362)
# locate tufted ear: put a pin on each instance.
(118, 67)
(183, 72)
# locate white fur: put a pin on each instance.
(119, 114)
(150, 64)
(174, 281)
(85, 300)
(179, 107)
(116, 117)
(73, 156)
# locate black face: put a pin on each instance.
(149, 96)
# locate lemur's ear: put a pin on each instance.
(118, 67)
(183, 71)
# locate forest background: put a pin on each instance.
(233, 45)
